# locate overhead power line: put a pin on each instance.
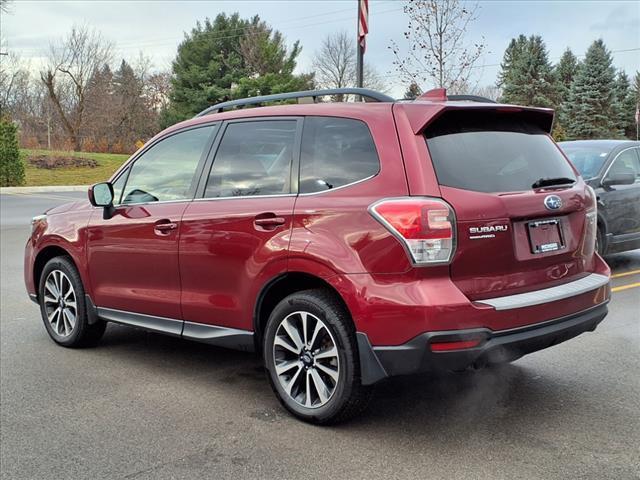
(137, 44)
(391, 75)
(225, 37)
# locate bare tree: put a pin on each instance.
(11, 74)
(158, 87)
(335, 65)
(71, 64)
(437, 52)
(488, 91)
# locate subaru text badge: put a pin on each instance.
(486, 231)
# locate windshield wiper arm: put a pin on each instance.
(549, 182)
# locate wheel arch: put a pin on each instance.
(282, 286)
(43, 256)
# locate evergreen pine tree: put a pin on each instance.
(590, 110)
(635, 88)
(635, 94)
(11, 167)
(565, 72)
(227, 58)
(509, 69)
(625, 106)
(527, 76)
(413, 92)
(130, 104)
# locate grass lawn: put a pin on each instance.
(107, 164)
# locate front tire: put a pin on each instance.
(63, 307)
(311, 356)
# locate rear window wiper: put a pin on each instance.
(549, 182)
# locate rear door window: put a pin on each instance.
(335, 152)
(254, 158)
(488, 151)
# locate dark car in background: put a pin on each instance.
(612, 169)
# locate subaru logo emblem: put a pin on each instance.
(552, 202)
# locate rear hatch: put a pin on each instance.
(520, 206)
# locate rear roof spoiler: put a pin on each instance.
(421, 113)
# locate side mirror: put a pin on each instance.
(622, 177)
(101, 195)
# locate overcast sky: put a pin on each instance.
(157, 27)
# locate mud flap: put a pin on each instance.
(371, 370)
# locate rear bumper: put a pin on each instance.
(416, 356)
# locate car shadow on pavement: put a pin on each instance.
(179, 357)
(623, 261)
(451, 401)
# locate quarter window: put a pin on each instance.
(166, 171)
(335, 152)
(254, 158)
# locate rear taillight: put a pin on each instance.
(425, 226)
(591, 222)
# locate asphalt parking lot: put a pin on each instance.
(145, 406)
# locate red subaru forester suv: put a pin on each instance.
(345, 242)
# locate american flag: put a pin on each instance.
(363, 24)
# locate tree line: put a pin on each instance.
(81, 99)
(591, 98)
(86, 99)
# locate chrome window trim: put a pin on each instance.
(245, 197)
(120, 205)
(606, 172)
(586, 284)
(341, 186)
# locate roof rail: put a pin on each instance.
(470, 98)
(365, 93)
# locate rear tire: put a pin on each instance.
(63, 306)
(311, 356)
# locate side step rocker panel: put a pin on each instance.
(214, 335)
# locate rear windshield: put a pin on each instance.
(487, 151)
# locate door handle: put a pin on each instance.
(270, 221)
(165, 226)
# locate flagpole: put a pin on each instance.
(359, 61)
